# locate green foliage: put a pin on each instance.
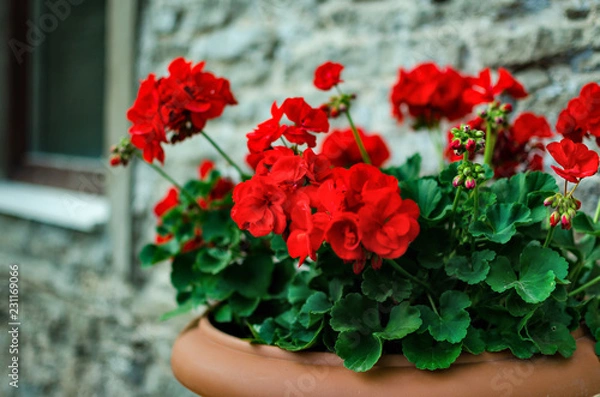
(476, 279)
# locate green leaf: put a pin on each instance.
(453, 320)
(266, 331)
(182, 274)
(407, 171)
(300, 338)
(474, 342)
(317, 303)
(216, 287)
(583, 223)
(182, 309)
(223, 314)
(404, 320)
(279, 246)
(243, 307)
(426, 353)
(428, 195)
(382, 284)
(360, 352)
(299, 290)
(537, 279)
(473, 271)
(151, 254)
(355, 313)
(252, 277)
(501, 222)
(336, 288)
(218, 227)
(213, 260)
(552, 337)
(510, 339)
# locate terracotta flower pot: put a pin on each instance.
(214, 364)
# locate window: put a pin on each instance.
(56, 93)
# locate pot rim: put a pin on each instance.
(206, 329)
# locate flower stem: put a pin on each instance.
(585, 286)
(454, 207)
(406, 274)
(549, 236)
(361, 147)
(168, 178)
(490, 142)
(597, 215)
(432, 304)
(438, 141)
(226, 157)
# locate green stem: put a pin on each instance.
(432, 304)
(490, 142)
(574, 275)
(359, 142)
(438, 141)
(549, 236)
(226, 157)
(585, 286)
(454, 207)
(361, 147)
(476, 203)
(406, 274)
(168, 177)
(597, 215)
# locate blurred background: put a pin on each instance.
(69, 70)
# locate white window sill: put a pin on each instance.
(65, 208)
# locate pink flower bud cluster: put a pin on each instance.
(565, 209)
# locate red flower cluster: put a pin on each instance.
(581, 118)
(518, 147)
(358, 211)
(576, 160)
(180, 103)
(482, 90)
(328, 75)
(341, 148)
(306, 120)
(430, 94)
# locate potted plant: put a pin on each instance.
(325, 273)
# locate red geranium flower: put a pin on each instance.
(170, 201)
(345, 237)
(148, 130)
(430, 94)
(306, 119)
(527, 125)
(328, 75)
(581, 118)
(483, 91)
(341, 148)
(192, 96)
(576, 160)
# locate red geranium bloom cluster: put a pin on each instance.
(518, 147)
(581, 118)
(328, 75)
(430, 94)
(576, 160)
(358, 211)
(180, 103)
(306, 120)
(481, 89)
(341, 148)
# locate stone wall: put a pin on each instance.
(89, 333)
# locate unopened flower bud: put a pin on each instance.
(456, 144)
(483, 114)
(470, 183)
(458, 181)
(499, 120)
(334, 113)
(342, 108)
(470, 145)
(479, 134)
(577, 204)
(554, 218)
(565, 221)
(507, 108)
(115, 160)
(550, 201)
